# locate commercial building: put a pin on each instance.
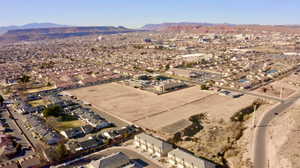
(168, 85)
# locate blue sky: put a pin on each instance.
(135, 13)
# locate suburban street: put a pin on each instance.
(260, 139)
(20, 136)
(17, 118)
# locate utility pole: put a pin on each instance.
(254, 117)
(281, 92)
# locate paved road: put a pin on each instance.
(241, 91)
(16, 132)
(18, 119)
(260, 155)
(253, 94)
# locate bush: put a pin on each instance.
(242, 114)
(67, 118)
(61, 151)
(54, 110)
(1, 100)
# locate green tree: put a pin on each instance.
(25, 79)
(54, 110)
(61, 151)
(204, 87)
(49, 84)
(1, 100)
(167, 67)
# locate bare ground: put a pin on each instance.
(284, 140)
(157, 111)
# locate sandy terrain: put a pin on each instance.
(284, 139)
(156, 111)
(289, 85)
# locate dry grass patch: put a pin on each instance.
(39, 102)
(63, 125)
(34, 90)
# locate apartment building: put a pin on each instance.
(182, 159)
(152, 145)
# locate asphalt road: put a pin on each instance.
(18, 119)
(260, 155)
(21, 138)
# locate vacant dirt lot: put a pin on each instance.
(288, 85)
(283, 144)
(156, 111)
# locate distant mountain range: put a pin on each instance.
(220, 28)
(162, 26)
(43, 31)
(30, 26)
(60, 32)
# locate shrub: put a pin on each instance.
(54, 110)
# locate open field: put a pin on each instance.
(157, 111)
(39, 89)
(287, 85)
(63, 125)
(39, 102)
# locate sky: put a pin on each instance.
(136, 13)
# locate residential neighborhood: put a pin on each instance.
(92, 93)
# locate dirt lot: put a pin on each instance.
(156, 111)
(283, 147)
(289, 85)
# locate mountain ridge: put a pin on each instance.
(60, 32)
(4, 29)
(164, 25)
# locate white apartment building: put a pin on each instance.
(152, 145)
(182, 159)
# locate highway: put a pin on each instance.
(260, 139)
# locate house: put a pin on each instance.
(3, 129)
(88, 144)
(72, 133)
(183, 159)
(30, 162)
(9, 164)
(52, 138)
(87, 129)
(45, 132)
(112, 135)
(116, 160)
(7, 147)
(152, 145)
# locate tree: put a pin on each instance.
(49, 84)
(204, 87)
(25, 79)
(61, 151)
(54, 110)
(1, 100)
(167, 67)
